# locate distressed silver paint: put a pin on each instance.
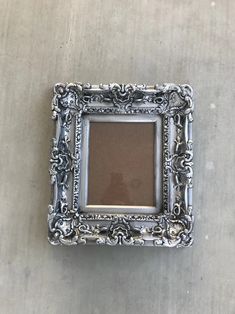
(172, 225)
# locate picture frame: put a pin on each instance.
(71, 220)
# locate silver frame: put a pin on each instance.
(71, 221)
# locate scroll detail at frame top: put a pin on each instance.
(68, 223)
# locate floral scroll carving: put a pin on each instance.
(172, 227)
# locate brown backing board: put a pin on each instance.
(121, 164)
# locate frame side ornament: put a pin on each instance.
(172, 227)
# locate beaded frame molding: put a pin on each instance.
(171, 226)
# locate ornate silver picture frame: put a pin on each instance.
(71, 220)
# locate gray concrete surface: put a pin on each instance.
(46, 41)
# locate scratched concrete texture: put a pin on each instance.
(47, 41)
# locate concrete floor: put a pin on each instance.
(46, 41)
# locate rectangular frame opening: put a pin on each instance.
(157, 167)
